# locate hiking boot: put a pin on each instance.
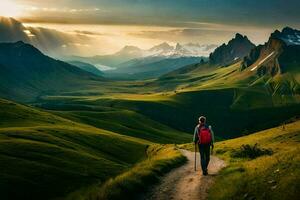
(205, 173)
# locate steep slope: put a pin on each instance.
(25, 73)
(236, 48)
(56, 155)
(289, 35)
(277, 61)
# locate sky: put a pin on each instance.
(144, 23)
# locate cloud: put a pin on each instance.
(60, 10)
(50, 41)
(186, 35)
(80, 32)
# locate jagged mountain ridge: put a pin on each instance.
(276, 55)
(235, 49)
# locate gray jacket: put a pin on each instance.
(196, 138)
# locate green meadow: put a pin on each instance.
(275, 176)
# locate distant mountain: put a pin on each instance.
(151, 67)
(112, 61)
(237, 48)
(25, 73)
(129, 54)
(180, 50)
(87, 67)
(163, 48)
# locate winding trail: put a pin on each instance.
(184, 183)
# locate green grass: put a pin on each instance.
(129, 123)
(135, 181)
(275, 176)
(47, 156)
(102, 113)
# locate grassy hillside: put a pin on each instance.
(273, 176)
(39, 151)
(123, 113)
(107, 115)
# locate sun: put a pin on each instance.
(8, 8)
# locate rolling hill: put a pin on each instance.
(57, 153)
(25, 73)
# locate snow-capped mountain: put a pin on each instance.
(129, 54)
(166, 50)
(288, 35)
(181, 50)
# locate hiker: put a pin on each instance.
(204, 137)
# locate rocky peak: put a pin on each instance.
(235, 49)
(288, 35)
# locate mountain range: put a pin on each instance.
(159, 52)
(24, 67)
(269, 71)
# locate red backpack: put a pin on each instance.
(204, 135)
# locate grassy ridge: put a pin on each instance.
(161, 158)
(129, 123)
(275, 176)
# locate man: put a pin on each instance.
(204, 137)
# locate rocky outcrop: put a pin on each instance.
(237, 48)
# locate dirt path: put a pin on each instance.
(184, 183)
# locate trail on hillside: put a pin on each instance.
(184, 183)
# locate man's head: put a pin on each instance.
(202, 120)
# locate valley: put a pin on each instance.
(86, 133)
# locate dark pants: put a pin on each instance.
(204, 150)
